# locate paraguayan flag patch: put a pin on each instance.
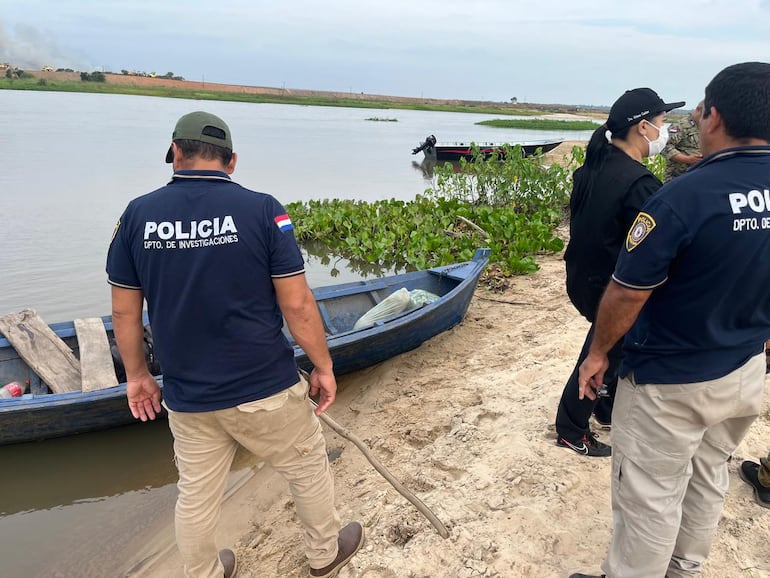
(642, 227)
(284, 223)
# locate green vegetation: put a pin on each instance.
(92, 77)
(15, 74)
(541, 124)
(656, 165)
(512, 206)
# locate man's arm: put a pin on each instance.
(301, 313)
(685, 159)
(672, 153)
(618, 309)
(142, 390)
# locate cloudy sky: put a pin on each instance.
(546, 51)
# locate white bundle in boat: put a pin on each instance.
(394, 303)
(421, 297)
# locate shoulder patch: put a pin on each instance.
(638, 232)
(283, 222)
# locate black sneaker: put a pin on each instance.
(587, 576)
(587, 446)
(749, 473)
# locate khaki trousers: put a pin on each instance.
(670, 446)
(281, 430)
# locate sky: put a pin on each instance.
(546, 51)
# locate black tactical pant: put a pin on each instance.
(573, 414)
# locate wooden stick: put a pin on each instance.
(503, 301)
(475, 226)
(347, 434)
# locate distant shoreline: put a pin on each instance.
(167, 87)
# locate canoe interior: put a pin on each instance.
(345, 304)
(13, 368)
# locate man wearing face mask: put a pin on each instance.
(608, 192)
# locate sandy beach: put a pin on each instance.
(466, 423)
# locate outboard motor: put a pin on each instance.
(427, 146)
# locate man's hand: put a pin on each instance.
(143, 396)
(591, 375)
(688, 160)
(325, 384)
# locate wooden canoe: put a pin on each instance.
(49, 411)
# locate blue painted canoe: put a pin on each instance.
(40, 414)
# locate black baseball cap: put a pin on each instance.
(203, 127)
(636, 105)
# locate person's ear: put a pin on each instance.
(712, 122)
(177, 155)
(230, 168)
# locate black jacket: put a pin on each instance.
(603, 205)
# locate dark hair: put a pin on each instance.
(598, 147)
(193, 148)
(741, 94)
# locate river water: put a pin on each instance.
(84, 506)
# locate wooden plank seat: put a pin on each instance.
(43, 350)
(96, 366)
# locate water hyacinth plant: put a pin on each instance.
(511, 205)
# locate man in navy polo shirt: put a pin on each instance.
(690, 291)
(220, 268)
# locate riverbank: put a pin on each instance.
(202, 90)
(466, 422)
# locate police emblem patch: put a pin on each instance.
(638, 232)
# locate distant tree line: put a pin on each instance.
(168, 75)
(12, 72)
(92, 76)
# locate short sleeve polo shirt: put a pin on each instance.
(204, 251)
(702, 244)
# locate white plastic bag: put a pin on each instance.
(392, 304)
(421, 297)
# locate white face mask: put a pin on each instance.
(656, 146)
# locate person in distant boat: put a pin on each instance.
(608, 191)
(689, 292)
(683, 147)
(220, 268)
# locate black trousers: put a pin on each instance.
(573, 414)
